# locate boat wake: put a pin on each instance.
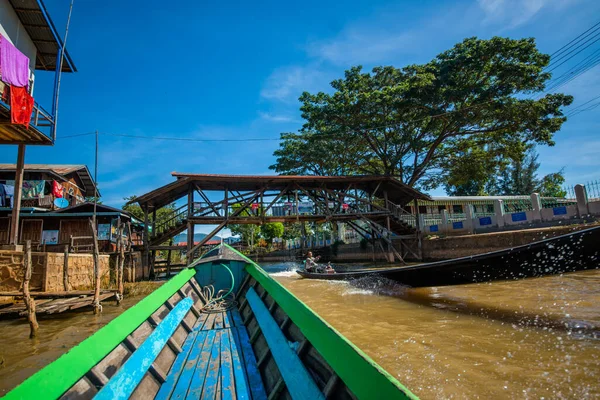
(378, 285)
(285, 274)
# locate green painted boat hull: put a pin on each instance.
(361, 376)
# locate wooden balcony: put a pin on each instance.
(40, 129)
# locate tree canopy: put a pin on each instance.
(475, 98)
(162, 214)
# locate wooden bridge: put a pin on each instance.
(374, 206)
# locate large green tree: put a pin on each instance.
(408, 121)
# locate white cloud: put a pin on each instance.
(513, 13)
(287, 83)
(360, 46)
(276, 117)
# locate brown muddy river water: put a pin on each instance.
(530, 339)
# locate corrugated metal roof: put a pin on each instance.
(40, 28)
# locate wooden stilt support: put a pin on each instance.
(118, 251)
(121, 265)
(96, 256)
(14, 225)
(29, 301)
(169, 260)
(66, 269)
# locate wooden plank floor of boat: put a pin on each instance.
(217, 362)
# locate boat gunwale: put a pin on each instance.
(345, 358)
(60, 375)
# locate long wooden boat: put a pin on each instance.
(184, 340)
(575, 251)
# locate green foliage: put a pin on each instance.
(271, 231)
(163, 214)
(90, 199)
(520, 177)
(408, 122)
(248, 232)
(292, 231)
(552, 185)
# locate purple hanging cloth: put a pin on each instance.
(14, 65)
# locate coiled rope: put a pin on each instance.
(222, 302)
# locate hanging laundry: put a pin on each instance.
(33, 189)
(9, 191)
(21, 106)
(30, 189)
(14, 65)
(57, 190)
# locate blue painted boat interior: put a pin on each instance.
(215, 273)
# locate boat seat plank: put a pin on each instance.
(187, 374)
(219, 321)
(167, 388)
(228, 389)
(298, 380)
(209, 323)
(122, 385)
(241, 380)
(242, 341)
(227, 323)
(236, 318)
(212, 373)
(194, 388)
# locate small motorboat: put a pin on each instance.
(576, 251)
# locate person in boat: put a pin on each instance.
(311, 262)
(329, 269)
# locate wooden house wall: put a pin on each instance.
(4, 230)
(73, 227)
(31, 229)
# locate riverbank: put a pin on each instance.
(20, 357)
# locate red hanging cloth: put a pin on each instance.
(57, 190)
(21, 106)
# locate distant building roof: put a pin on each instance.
(40, 28)
(61, 170)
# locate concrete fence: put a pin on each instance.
(470, 222)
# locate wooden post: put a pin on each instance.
(169, 259)
(151, 274)
(14, 225)
(29, 301)
(96, 256)
(146, 237)
(120, 266)
(66, 269)
(418, 225)
(190, 227)
(118, 252)
(390, 256)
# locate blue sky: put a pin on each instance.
(205, 70)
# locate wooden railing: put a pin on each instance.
(180, 216)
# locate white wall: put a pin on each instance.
(13, 29)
